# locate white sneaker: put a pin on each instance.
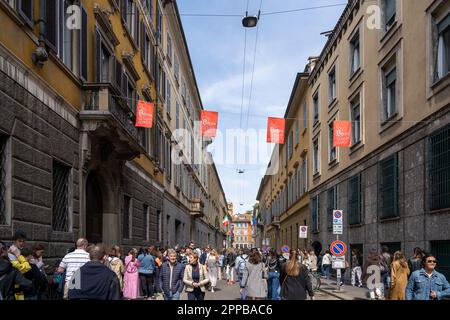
(212, 289)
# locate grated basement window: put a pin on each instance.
(60, 217)
(388, 187)
(2, 180)
(439, 170)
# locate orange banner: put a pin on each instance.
(208, 126)
(144, 116)
(275, 130)
(342, 134)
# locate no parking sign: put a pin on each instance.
(338, 248)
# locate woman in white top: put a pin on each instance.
(212, 266)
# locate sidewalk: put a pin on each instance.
(348, 292)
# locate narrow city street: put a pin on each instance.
(159, 146)
(231, 292)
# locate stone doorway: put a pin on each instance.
(94, 209)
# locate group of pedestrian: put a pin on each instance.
(273, 276)
(93, 272)
(393, 277)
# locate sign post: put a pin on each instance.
(338, 250)
(338, 228)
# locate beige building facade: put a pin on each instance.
(392, 82)
(385, 68)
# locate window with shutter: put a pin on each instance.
(26, 11)
(51, 24)
(389, 12)
(84, 45)
(442, 62)
(97, 55)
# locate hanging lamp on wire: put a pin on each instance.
(250, 21)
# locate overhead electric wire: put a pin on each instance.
(304, 9)
(253, 68)
(263, 13)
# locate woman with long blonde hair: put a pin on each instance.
(399, 277)
(295, 281)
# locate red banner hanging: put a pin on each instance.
(342, 134)
(144, 116)
(275, 130)
(208, 126)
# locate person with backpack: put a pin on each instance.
(295, 280)
(240, 262)
(116, 264)
(274, 270)
(146, 273)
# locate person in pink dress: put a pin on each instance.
(131, 278)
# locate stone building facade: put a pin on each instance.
(72, 162)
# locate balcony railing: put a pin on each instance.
(102, 104)
(196, 207)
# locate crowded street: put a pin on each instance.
(248, 153)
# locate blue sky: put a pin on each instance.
(216, 46)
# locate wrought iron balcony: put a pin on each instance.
(108, 117)
(276, 221)
(196, 208)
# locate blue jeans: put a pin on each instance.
(273, 286)
(172, 296)
(326, 270)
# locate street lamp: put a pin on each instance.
(250, 21)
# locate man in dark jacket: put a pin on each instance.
(94, 280)
(35, 276)
(171, 277)
(10, 276)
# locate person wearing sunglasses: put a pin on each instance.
(427, 283)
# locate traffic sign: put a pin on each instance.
(285, 249)
(303, 232)
(338, 263)
(337, 217)
(338, 229)
(338, 248)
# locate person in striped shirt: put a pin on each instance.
(73, 261)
